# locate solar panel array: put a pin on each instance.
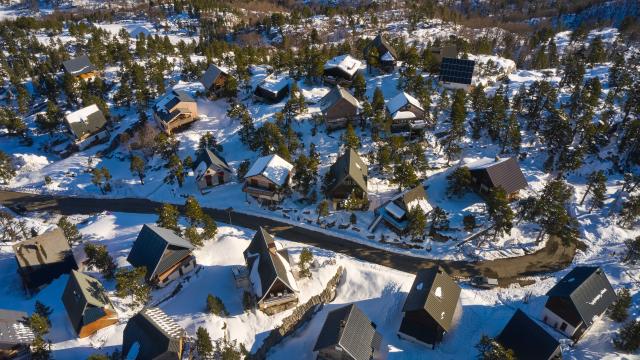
(458, 71)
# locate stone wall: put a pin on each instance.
(299, 317)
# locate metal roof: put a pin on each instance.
(527, 339)
(156, 334)
(210, 157)
(78, 66)
(88, 120)
(335, 95)
(270, 266)
(84, 299)
(48, 248)
(434, 291)
(503, 173)
(349, 328)
(12, 329)
(588, 289)
(349, 165)
(382, 45)
(458, 71)
(211, 75)
(157, 249)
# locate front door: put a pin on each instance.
(208, 179)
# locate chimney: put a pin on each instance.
(272, 247)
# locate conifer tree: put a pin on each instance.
(619, 310)
(404, 176)
(378, 100)
(306, 258)
(204, 346)
(7, 169)
(511, 138)
(499, 212)
(628, 337)
(597, 187)
(168, 218)
(98, 257)
(350, 139)
(137, 168)
(69, 229)
(131, 283)
(359, 86)
(459, 181)
(417, 222)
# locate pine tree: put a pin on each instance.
(378, 100)
(496, 115)
(69, 229)
(7, 169)
(439, 220)
(192, 210)
(203, 345)
(417, 222)
(404, 176)
(549, 210)
(456, 132)
(469, 222)
(511, 138)
(459, 181)
(350, 139)
(44, 311)
(630, 211)
(632, 254)
(216, 306)
(479, 105)
(628, 337)
(322, 209)
(596, 51)
(168, 218)
(619, 310)
(306, 258)
(596, 185)
(359, 86)
(97, 178)
(499, 212)
(137, 168)
(98, 257)
(176, 171)
(490, 349)
(131, 282)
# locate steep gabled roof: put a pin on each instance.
(503, 173)
(78, 66)
(434, 291)
(12, 328)
(345, 63)
(272, 167)
(350, 165)
(588, 288)
(400, 100)
(349, 328)
(382, 45)
(274, 83)
(527, 339)
(158, 249)
(88, 120)
(211, 75)
(335, 95)
(459, 71)
(84, 291)
(151, 334)
(265, 261)
(210, 157)
(48, 248)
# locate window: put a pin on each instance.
(563, 327)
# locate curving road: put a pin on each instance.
(552, 258)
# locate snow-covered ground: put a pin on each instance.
(380, 292)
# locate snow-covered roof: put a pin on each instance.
(394, 210)
(289, 273)
(274, 83)
(403, 115)
(272, 167)
(254, 276)
(164, 322)
(422, 203)
(82, 115)
(387, 57)
(400, 100)
(346, 63)
(485, 163)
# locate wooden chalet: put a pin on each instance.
(394, 213)
(88, 307)
(165, 255)
(578, 300)
(445, 51)
(268, 178)
(174, 110)
(387, 56)
(80, 67)
(406, 113)
(339, 108)
(349, 178)
(273, 89)
(211, 170)
(341, 69)
(44, 258)
(492, 173)
(528, 340)
(272, 282)
(431, 307)
(87, 126)
(152, 335)
(214, 80)
(348, 334)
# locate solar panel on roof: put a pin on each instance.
(456, 70)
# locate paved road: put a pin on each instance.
(552, 258)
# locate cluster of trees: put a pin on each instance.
(222, 348)
(201, 226)
(40, 325)
(12, 229)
